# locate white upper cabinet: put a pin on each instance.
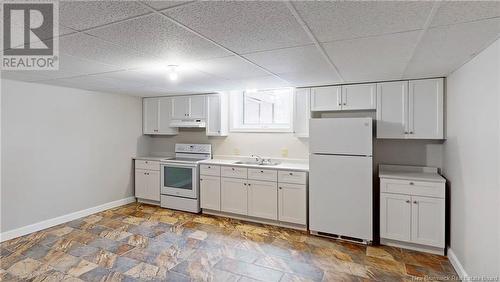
(180, 107)
(165, 117)
(326, 98)
(425, 109)
(150, 115)
(189, 107)
(157, 114)
(197, 107)
(410, 109)
(302, 112)
(217, 114)
(392, 110)
(359, 97)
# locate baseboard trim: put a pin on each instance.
(11, 234)
(457, 265)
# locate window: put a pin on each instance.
(262, 110)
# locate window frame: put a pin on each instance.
(236, 119)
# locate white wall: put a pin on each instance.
(471, 162)
(244, 144)
(64, 150)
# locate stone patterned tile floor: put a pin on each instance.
(139, 242)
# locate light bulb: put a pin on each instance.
(172, 72)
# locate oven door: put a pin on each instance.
(179, 180)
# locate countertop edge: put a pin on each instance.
(281, 166)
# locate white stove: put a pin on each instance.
(180, 177)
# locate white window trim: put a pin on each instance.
(236, 107)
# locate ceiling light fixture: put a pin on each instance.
(172, 72)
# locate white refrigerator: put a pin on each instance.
(341, 177)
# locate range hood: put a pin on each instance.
(188, 123)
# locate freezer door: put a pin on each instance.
(344, 136)
(340, 195)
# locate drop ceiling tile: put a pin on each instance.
(311, 78)
(444, 49)
(189, 80)
(95, 83)
(231, 67)
(29, 76)
(86, 14)
(337, 20)
(291, 60)
(373, 58)
(262, 82)
(243, 26)
(158, 36)
(73, 66)
(92, 48)
(160, 5)
(453, 12)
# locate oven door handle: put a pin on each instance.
(179, 165)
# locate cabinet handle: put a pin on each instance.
(245, 184)
(261, 171)
(340, 104)
(406, 132)
(411, 183)
(232, 168)
(411, 132)
(345, 104)
(291, 173)
(280, 188)
(407, 201)
(209, 167)
(146, 162)
(248, 184)
(415, 202)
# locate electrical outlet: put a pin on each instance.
(284, 152)
(236, 151)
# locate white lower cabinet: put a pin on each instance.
(395, 216)
(416, 217)
(147, 184)
(262, 199)
(254, 193)
(234, 197)
(210, 192)
(428, 221)
(292, 203)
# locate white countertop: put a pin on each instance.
(416, 173)
(152, 158)
(284, 165)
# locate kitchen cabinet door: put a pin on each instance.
(180, 108)
(392, 109)
(197, 107)
(150, 115)
(395, 216)
(147, 184)
(302, 112)
(292, 203)
(425, 109)
(359, 97)
(210, 192)
(217, 114)
(326, 98)
(165, 117)
(262, 199)
(234, 195)
(428, 221)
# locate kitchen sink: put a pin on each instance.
(268, 163)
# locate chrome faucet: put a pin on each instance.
(258, 159)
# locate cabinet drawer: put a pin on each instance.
(235, 172)
(207, 169)
(263, 174)
(297, 177)
(410, 187)
(146, 164)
